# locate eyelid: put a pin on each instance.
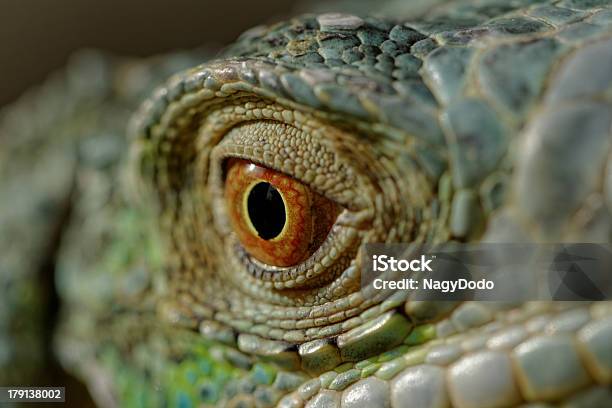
(301, 154)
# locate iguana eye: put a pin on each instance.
(278, 220)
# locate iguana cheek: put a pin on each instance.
(278, 220)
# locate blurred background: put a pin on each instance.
(38, 36)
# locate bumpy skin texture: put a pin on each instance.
(468, 121)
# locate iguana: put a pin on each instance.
(204, 248)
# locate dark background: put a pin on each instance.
(38, 36)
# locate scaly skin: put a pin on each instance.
(468, 122)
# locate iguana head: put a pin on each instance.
(361, 130)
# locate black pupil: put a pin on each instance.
(266, 210)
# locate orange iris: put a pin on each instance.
(278, 220)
